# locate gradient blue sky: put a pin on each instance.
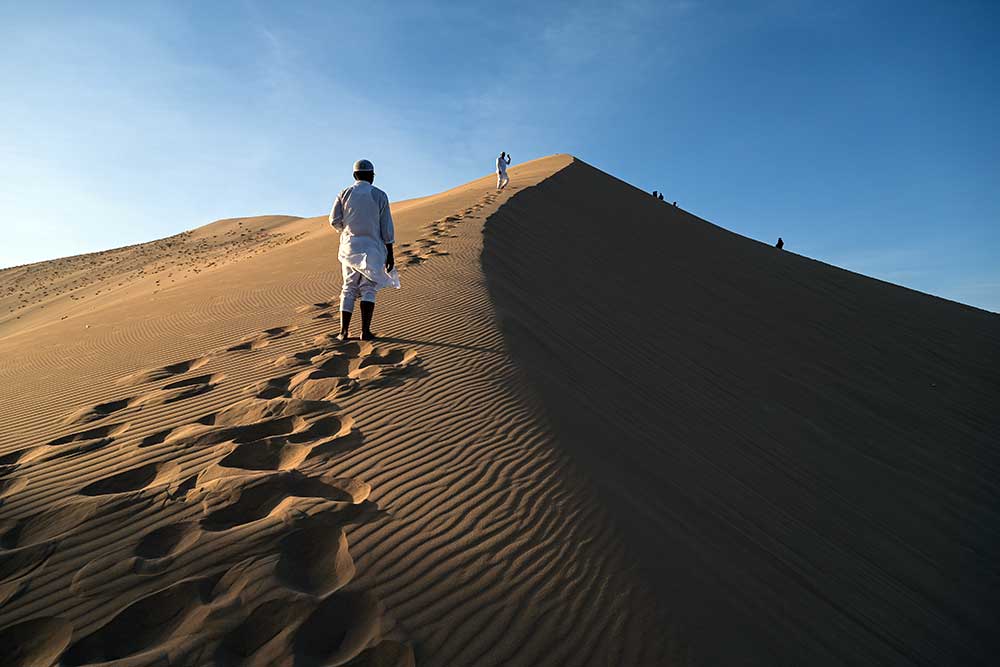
(864, 133)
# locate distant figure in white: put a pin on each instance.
(361, 215)
(502, 163)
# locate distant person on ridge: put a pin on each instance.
(361, 215)
(660, 196)
(780, 244)
(655, 194)
(502, 163)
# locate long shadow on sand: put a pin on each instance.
(432, 343)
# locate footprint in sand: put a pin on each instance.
(265, 434)
(16, 565)
(27, 544)
(385, 364)
(155, 438)
(169, 393)
(135, 479)
(154, 554)
(99, 411)
(314, 307)
(288, 451)
(313, 384)
(340, 628)
(249, 346)
(315, 559)
(11, 485)
(101, 432)
(167, 540)
(50, 525)
(146, 623)
(414, 257)
(249, 499)
(244, 421)
(297, 358)
(164, 372)
(39, 641)
(79, 442)
(261, 340)
(334, 368)
(184, 389)
(9, 461)
(11, 591)
(214, 378)
(264, 632)
(323, 310)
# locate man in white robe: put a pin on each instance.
(502, 163)
(361, 215)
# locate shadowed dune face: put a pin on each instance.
(802, 456)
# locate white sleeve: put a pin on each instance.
(385, 221)
(337, 214)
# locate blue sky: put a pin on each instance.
(864, 133)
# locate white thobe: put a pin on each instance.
(502, 179)
(361, 215)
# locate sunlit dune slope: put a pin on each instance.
(34, 294)
(193, 471)
(803, 460)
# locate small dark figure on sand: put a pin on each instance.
(780, 244)
(655, 193)
(660, 196)
(675, 204)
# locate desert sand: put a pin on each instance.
(559, 452)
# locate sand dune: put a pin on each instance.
(731, 456)
(802, 457)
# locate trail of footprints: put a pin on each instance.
(428, 246)
(261, 524)
(250, 498)
(177, 390)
